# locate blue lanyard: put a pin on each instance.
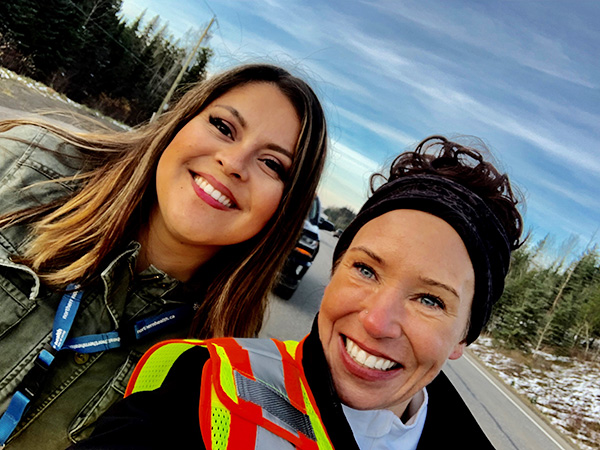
(92, 343)
(65, 316)
(27, 390)
(156, 323)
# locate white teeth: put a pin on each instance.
(366, 359)
(214, 193)
(361, 357)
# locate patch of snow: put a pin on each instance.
(565, 390)
(51, 93)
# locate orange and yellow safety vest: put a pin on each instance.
(254, 393)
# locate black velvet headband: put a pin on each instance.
(482, 233)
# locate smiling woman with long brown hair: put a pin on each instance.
(135, 236)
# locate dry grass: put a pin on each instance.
(564, 389)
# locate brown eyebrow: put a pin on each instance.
(369, 253)
(425, 280)
(444, 286)
(281, 150)
(235, 112)
(243, 123)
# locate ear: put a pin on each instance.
(458, 350)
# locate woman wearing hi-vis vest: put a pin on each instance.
(415, 276)
(112, 242)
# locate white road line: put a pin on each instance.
(526, 413)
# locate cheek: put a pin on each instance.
(430, 341)
(327, 312)
(447, 346)
(161, 174)
(267, 201)
(336, 303)
(166, 166)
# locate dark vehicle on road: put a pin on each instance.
(302, 256)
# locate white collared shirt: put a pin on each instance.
(381, 429)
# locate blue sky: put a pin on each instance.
(522, 75)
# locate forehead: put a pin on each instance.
(253, 89)
(403, 223)
(414, 237)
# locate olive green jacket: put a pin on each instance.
(79, 387)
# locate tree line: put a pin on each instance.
(341, 217)
(86, 50)
(554, 304)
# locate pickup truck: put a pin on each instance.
(303, 254)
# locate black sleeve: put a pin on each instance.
(164, 418)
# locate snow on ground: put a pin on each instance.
(565, 390)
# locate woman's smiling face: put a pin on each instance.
(222, 176)
(396, 308)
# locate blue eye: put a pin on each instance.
(364, 270)
(220, 125)
(432, 301)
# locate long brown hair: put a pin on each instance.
(72, 238)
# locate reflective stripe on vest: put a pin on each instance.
(256, 389)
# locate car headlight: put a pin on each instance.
(308, 241)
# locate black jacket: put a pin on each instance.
(168, 416)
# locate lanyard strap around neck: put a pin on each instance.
(29, 387)
(92, 343)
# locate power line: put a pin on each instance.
(182, 71)
(111, 37)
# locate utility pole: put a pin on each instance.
(182, 71)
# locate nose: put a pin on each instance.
(382, 314)
(234, 162)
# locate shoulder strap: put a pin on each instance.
(248, 383)
(262, 382)
(152, 369)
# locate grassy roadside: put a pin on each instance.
(563, 391)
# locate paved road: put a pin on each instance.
(508, 422)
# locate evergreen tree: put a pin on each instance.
(578, 297)
(100, 26)
(86, 50)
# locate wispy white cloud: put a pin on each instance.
(553, 187)
(346, 180)
(252, 46)
(508, 37)
(496, 115)
(547, 211)
(577, 157)
(378, 128)
(297, 20)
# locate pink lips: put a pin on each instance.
(217, 185)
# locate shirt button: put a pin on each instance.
(81, 358)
